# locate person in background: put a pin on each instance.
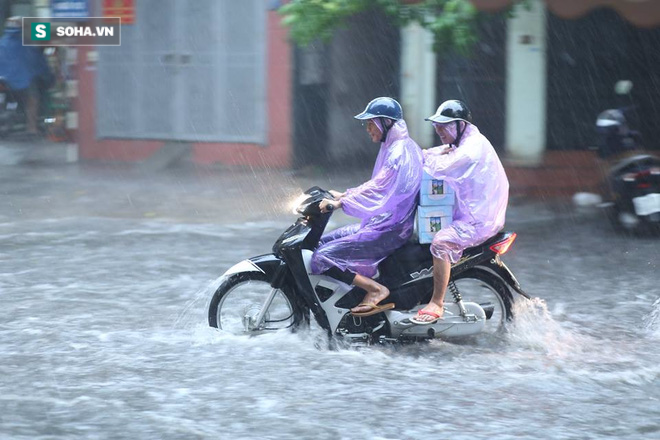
(24, 70)
(469, 164)
(386, 205)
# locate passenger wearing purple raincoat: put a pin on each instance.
(386, 205)
(477, 176)
(470, 165)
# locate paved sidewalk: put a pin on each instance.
(26, 150)
(559, 176)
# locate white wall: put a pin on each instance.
(526, 85)
(418, 82)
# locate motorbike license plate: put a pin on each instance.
(647, 205)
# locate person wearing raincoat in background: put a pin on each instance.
(469, 164)
(25, 71)
(386, 205)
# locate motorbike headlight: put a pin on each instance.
(298, 205)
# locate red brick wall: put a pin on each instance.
(562, 174)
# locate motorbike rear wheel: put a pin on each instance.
(623, 219)
(237, 302)
(486, 289)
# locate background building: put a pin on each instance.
(210, 77)
(535, 82)
(218, 81)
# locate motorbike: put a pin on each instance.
(277, 290)
(13, 117)
(635, 194)
(632, 176)
(11, 110)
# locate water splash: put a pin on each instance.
(534, 328)
(652, 320)
(195, 309)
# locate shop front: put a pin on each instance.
(208, 76)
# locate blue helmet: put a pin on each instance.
(382, 107)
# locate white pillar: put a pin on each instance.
(42, 8)
(418, 82)
(526, 85)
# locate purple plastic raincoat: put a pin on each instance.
(477, 176)
(386, 204)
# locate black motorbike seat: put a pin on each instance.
(414, 256)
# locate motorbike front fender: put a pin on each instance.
(266, 264)
(243, 266)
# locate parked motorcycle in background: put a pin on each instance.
(14, 117)
(632, 175)
(12, 112)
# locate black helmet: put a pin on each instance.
(382, 107)
(452, 110)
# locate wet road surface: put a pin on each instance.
(103, 331)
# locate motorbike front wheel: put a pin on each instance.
(237, 302)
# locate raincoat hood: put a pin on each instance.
(451, 129)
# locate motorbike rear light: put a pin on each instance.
(631, 177)
(640, 175)
(500, 248)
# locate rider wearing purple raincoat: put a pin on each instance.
(386, 204)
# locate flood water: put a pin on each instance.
(103, 335)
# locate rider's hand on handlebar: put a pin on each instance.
(325, 203)
(336, 194)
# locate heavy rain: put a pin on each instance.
(147, 171)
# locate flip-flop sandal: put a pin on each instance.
(434, 315)
(373, 309)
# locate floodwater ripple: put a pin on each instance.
(104, 335)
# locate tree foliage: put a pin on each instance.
(452, 22)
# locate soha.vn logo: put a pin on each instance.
(40, 31)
